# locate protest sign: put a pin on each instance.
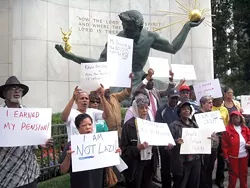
(211, 121)
(122, 166)
(245, 104)
(155, 134)
(181, 71)
(211, 88)
(195, 141)
(119, 58)
(160, 66)
(93, 151)
(94, 74)
(24, 126)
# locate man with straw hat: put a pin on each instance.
(18, 165)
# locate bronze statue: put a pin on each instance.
(132, 22)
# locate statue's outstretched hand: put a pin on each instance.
(195, 24)
(60, 49)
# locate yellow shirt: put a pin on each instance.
(224, 113)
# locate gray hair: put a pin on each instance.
(204, 99)
(132, 16)
(141, 99)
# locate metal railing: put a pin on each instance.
(48, 158)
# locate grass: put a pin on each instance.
(58, 182)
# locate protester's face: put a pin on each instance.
(94, 103)
(173, 101)
(85, 126)
(83, 100)
(185, 111)
(208, 105)
(192, 95)
(229, 94)
(235, 119)
(185, 94)
(131, 31)
(217, 102)
(150, 84)
(13, 94)
(143, 111)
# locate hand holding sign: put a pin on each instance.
(69, 152)
(180, 141)
(150, 74)
(142, 146)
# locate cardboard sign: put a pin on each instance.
(195, 141)
(93, 151)
(155, 134)
(245, 104)
(94, 74)
(119, 57)
(211, 121)
(160, 66)
(211, 88)
(181, 71)
(24, 126)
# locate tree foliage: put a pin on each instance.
(231, 43)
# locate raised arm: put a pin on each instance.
(164, 45)
(67, 109)
(73, 57)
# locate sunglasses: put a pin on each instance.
(14, 88)
(94, 101)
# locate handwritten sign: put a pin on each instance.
(94, 74)
(211, 121)
(183, 71)
(160, 66)
(94, 151)
(211, 88)
(245, 104)
(24, 126)
(155, 134)
(195, 141)
(119, 57)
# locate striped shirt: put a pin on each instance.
(18, 165)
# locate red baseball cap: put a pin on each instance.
(184, 87)
(237, 113)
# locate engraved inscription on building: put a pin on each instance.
(106, 26)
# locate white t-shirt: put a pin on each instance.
(70, 124)
(242, 150)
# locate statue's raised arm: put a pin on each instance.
(73, 57)
(164, 45)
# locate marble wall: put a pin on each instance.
(31, 28)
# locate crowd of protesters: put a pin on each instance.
(100, 111)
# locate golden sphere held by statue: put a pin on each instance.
(195, 15)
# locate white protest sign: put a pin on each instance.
(195, 141)
(211, 88)
(211, 121)
(160, 66)
(155, 134)
(183, 71)
(245, 104)
(93, 151)
(119, 57)
(94, 74)
(122, 166)
(24, 126)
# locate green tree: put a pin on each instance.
(231, 43)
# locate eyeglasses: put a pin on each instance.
(15, 88)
